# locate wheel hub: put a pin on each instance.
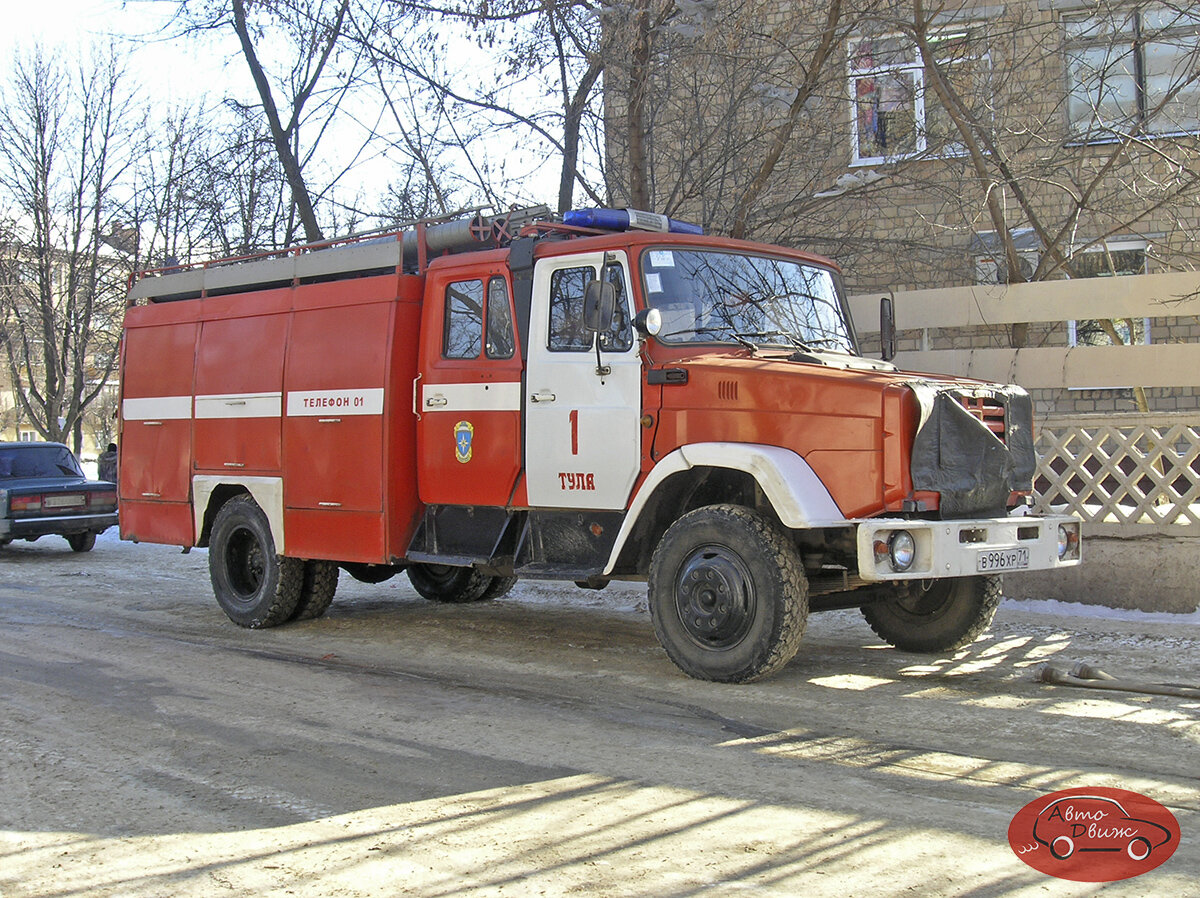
(715, 597)
(246, 563)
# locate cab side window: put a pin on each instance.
(567, 333)
(462, 336)
(500, 342)
(619, 338)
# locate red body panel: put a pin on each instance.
(330, 449)
(160, 444)
(311, 384)
(241, 361)
(830, 417)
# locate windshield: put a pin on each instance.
(708, 296)
(38, 461)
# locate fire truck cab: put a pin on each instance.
(610, 396)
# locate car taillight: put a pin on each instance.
(103, 499)
(26, 504)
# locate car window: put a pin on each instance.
(38, 461)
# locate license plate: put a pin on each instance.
(67, 500)
(992, 560)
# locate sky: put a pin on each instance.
(74, 24)
(172, 72)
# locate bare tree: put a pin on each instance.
(305, 75)
(720, 110)
(64, 155)
(532, 77)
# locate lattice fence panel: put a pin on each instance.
(1127, 474)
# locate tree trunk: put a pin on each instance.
(287, 158)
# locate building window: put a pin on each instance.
(991, 256)
(1113, 259)
(1132, 71)
(893, 115)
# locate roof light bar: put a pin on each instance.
(628, 220)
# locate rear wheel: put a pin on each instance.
(728, 595)
(937, 615)
(81, 542)
(254, 586)
(316, 595)
(444, 583)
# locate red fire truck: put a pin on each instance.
(607, 396)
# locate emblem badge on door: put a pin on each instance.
(464, 435)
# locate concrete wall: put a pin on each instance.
(1152, 573)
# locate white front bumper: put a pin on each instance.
(954, 548)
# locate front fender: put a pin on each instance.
(797, 494)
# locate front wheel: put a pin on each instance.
(937, 615)
(255, 587)
(728, 595)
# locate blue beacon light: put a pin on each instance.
(628, 219)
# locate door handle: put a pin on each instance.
(435, 401)
(543, 396)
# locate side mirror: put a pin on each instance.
(887, 328)
(599, 305)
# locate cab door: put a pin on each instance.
(469, 392)
(582, 417)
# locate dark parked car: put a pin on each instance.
(44, 491)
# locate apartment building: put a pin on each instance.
(955, 143)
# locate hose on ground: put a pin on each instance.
(1085, 676)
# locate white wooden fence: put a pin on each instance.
(1127, 475)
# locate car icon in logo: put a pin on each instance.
(1079, 823)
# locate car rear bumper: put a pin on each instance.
(31, 528)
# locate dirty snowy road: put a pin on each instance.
(541, 745)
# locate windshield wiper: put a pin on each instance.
(747, 336)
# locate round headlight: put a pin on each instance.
(902, 550)
(648, 322)
(1064, 540)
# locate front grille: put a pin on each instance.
(988, 410)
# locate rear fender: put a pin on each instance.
(266, 491)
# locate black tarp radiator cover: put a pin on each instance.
(956, 454)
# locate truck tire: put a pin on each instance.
(255, 587)
(498, 589)
(316, 595)
(948, 615)
(444, 583)
(728, 595)
(81, 542)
